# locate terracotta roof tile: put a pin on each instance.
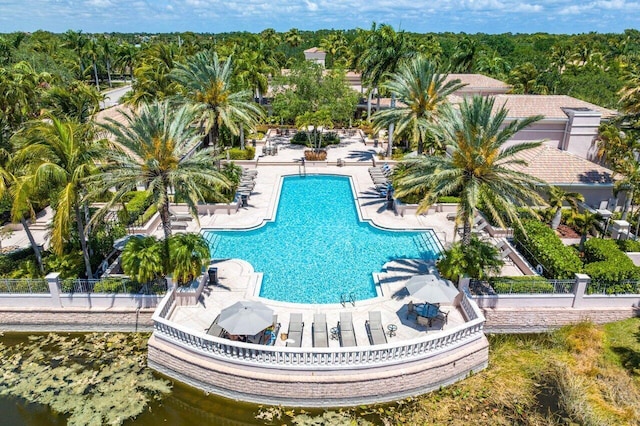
(561, 167)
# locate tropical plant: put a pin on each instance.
(465, 55)
(525, 79)
(206, 82)
(59, 156)
(423, 92)
(629, 169)
(156, 147)
(293, 38)
(557, 197)
(480, 168)
(152, 82)
(143, 259)
(189, 253)
(586, 223)
(385, 50)
(78, 101)
(478, 259)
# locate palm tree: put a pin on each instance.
(77, 101)
(21, 194)
(424, 93)
(478, 260)
(125, 58)
(629, 168)
(93, 50)
(60, 156)
(465, 54)
(293, 38)
(142, 259)
(480, 168)
(155, 147)
(585, 223)
(524, 79)
(107, 49)
(253, 70)
(152, 82)
(189, 253)
(386, 49)
(207, 83)
(557, 197)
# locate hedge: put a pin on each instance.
(330, 138)
(248, 153)
(531, 284)
(136, 206)
(607, 265)
(546, 248)
(629, 245)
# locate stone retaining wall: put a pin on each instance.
(42, 320)
(315, 388)
(527, 320)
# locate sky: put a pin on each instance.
(216, 16)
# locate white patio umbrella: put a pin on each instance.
(431, 288)
(246, 318)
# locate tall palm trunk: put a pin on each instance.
(109, 72)
(242, 137)
(391, 128)
(369, 97)
(34, 246)
(95, 75)
(557, 218)
(165, 218)
(420, 144)
(83, 242)
(627, 205)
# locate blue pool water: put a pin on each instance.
(317, 249)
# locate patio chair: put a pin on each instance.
(375, 330)
(411, 310)
(271, 333)
(345, 330)
(296, 326)
(443, 316)
(320, 333)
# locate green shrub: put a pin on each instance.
(607, 265)
(301, 138)
(449, 199)
(135, 207)
(629, 245)
(531, 284)
(70, 265)
(115, 285)
(8, 261)
(545, 247)
(242, 154)
(153, 209)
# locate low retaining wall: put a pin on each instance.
(38, 320)
(305, 388)
(536, 320)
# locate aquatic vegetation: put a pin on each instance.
(96, 379)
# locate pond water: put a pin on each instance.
(183, 406)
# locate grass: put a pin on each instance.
(579, 375)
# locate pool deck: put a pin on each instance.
(237, 279)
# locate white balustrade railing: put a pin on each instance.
(313, 358)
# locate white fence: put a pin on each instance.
(312, 358)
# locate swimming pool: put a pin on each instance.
(317, 249)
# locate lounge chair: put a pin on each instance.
(179, 217)
(345, 330)
(375, 329)
(320, 333)
(294, 335)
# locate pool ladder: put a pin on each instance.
(302, 168)
(347, 298)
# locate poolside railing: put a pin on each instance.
(318, 358)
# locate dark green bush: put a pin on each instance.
(607, 265)
(115, 285)
(136, 206)
(301, 138)
(242, 154)
(449, 199)
(629, 245)
(9, 261)
(531, 284)
(545, 247)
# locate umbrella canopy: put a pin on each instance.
(246, 318)
(431, 288)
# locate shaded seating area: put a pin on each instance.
(345, 330)
(296, 327)
(375, 329)
(215, 329)
(320, 331)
